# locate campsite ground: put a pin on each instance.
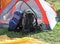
(52, 37)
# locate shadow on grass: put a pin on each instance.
(58, 12)
(20, 34)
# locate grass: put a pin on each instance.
(52, 37)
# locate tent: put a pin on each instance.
(45, 12)
(6, 10)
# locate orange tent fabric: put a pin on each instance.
(3, 4)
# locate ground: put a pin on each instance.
(52, 37)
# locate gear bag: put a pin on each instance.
(13, 23)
